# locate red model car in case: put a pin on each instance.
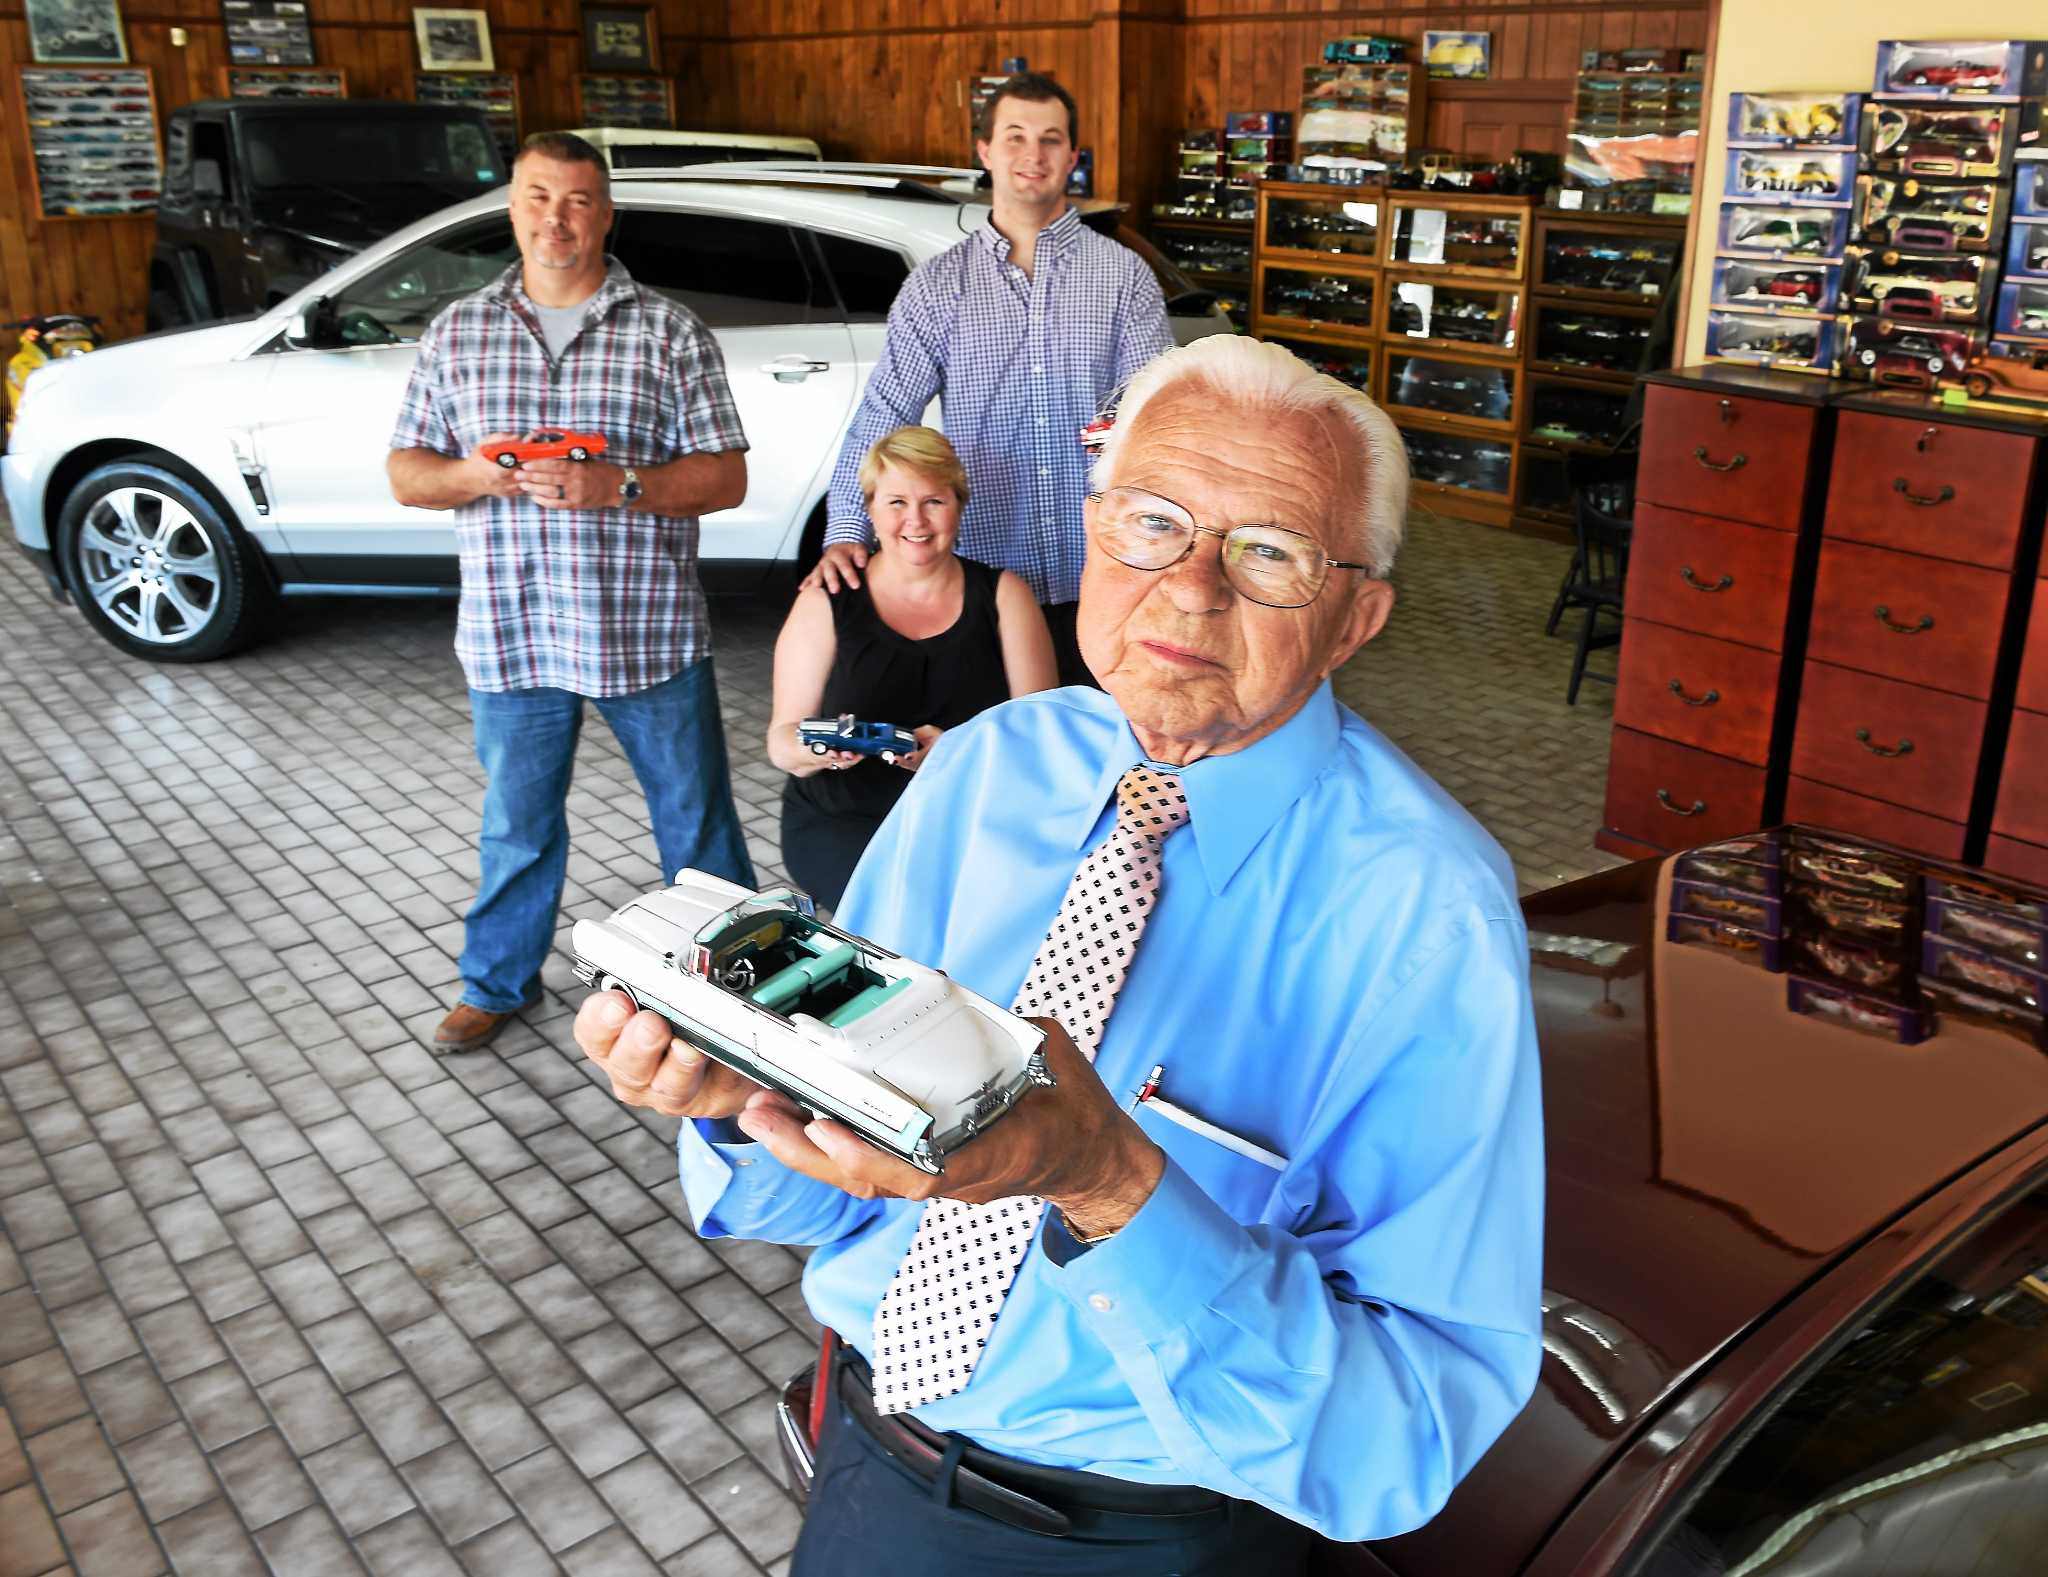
(551, 446)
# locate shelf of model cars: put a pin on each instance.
(1353, 365)
(1370, 113)
(1791, 175)
(92, 140)
(1919, 214)
(1958, 287)
(1468, 475)
(1210, 252)
(1917, 137)
(1320, 225)
(1770, 286)
(626, 101)
(1572, 414)
(1777, 341)
(1314, 303)
(1794, 120)
(1466, 235)
(1543, 488)
(1950, 69)
(1431, 387)
(1452, 314)
(1580, 339)
(284, 82)
(1606, 259)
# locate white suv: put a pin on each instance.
(171, 486)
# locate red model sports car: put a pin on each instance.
(551, 446)
(1959, 74)
(1804, 286)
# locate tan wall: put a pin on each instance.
(1766, 45)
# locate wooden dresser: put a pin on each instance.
(1827, 615)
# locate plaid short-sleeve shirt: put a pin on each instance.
(599, 601)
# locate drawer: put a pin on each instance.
(2023, 781)
(1741, 459)
(1957, 494)
(1696, 690)
(1901, 743)
(2033, 692)
(2010, 857)
(1927, 621)
(1840, 811)
(1714, 577)
(1672, 796)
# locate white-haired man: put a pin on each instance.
(1103, 1341)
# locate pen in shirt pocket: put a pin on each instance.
(1147, 1094)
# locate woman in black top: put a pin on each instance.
(925, 639)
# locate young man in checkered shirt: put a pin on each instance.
(579, 578)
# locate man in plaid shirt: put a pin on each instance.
(579, 578)
(1026, 328)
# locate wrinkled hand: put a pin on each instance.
(649, 1067)
(491, 479)
(1070, 1144)
(838, 567)
(572, 484)
(927, 736)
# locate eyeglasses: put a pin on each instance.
(1269, 565)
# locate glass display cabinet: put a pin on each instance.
(1347, 364)
(1543, 491)
(1319, 224)
(1215, 254)
(1455, 314)
(1574, 338)
(1305, 301)
(1430, 386)
(1468, 475)
(1569, 414)
(1607, 258)
(1483, 236)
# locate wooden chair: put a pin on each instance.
(1603, 509)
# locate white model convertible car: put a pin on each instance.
(910, 1061)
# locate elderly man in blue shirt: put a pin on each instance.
(1313, 1308)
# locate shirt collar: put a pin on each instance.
(1233, 800)
(1055, 240)
(510, 288)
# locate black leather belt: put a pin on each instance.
(1023, 1494)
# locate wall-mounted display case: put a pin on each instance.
(1576, 337)
(1773, 230)
(1568, 414)
(1948, 289)
(1607, 258)
(1430, 386)
(1315, 224)
(1215, 254)
(496, 93)
(1487, 236)
(1452, 314)
(1196, 190)
(1359, 117)
(1919, 138)
(284, 82)
(92, 140)
(644, 102)
(1308, 302)
(1775, 286)
(1919, 215)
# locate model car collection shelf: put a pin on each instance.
(1486, 237)
(1315, 264)
(1215, 254)
(1432, 387)
(1452, 314)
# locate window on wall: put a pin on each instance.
(733, 273)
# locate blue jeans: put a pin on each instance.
(526, 740)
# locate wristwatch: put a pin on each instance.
(629, 487)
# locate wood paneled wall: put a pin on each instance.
(870, 79)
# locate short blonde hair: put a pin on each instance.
(920, 449)
(1269, 378)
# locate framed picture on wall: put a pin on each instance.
(75, 32)
(267, 82)
(646, 102)
(620, 38)
(452, 40)
(92, 141)
(1463, 57)
(268, 32)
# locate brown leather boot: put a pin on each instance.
(469, 1028)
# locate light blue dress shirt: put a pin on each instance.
(1020, 365)
(1337, 971)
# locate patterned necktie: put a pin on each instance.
(935, 1317)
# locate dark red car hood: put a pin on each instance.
(1709, 1153)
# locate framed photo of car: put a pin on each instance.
(452, 40)
(620, 38)
(1462, 57)
(75, 32)
(284, 82)
(92, 141)
(268, 32)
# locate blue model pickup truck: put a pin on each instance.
(846, 732)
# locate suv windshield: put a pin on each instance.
(341, 153)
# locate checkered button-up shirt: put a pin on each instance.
(1023, 365)
(599, 601)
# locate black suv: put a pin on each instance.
(262, 195)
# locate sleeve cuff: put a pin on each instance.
(1171, 1260)
(717, 1170)
(847, 531)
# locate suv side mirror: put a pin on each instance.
(207, 181)
(312, 326)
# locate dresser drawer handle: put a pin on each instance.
(1922, 499)
(1685, 574)
(1699, 806)
(1740, 460)
(1708, 699)
(1903, 748)
(1884, 617)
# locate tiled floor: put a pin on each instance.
(279, 1289)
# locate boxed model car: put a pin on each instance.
(1982, 69)
(1799, 176)
(2022, 311)
(1918, 138)
(1791, 344)
(1923, 215)
(2030, 185)
(1776, 286)
(1787, 120)
(1773, 230)
(2026, 250)
(1890, 351)
(912, 1062)
(1941, 289)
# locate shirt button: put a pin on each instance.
(743, 1162)
(1045, 470)
(1101, 1302)
(1037, 367)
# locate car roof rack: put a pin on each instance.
(931, 182)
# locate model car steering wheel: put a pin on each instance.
(738, 976)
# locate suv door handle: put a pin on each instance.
(794, 369)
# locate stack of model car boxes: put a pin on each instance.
(1783, 231)
(1984, 954)
(1852, 936)
(1360, 110)
(1258, 145)
(2015, 363)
